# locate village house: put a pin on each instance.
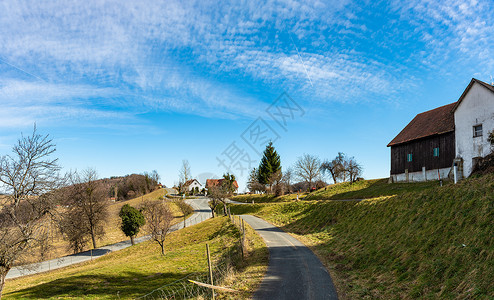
(193, 185)
(219, 182)
(436, 141)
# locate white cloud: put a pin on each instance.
(150, 55)
(28, 92)
(453, 29)
(21, 116)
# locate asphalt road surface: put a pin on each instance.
(202, 212)
(294, 271)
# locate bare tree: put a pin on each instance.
(287, 179)
(28, 178)
(337, 167)
(158, 221)
(72, 227)
(155, 176)
(307, 168)
(253, 182)
(185, 209)
(184, 176)
(332, 168)
(354, 169)
(87, 208)
(343, 166)
(217, 195)
(275, 183)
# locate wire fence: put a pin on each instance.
(222, 268)
(184, 289)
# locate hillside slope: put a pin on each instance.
(140, 269)
(363, 189)
(436, 243)
(113, 233)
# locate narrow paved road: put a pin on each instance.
(294, 272)
(202, 212)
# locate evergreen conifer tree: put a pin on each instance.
(270, 164)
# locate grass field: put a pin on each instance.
(434, 243)
(266, 198)
(369, 189)
(357, 190)
(137, 270)
(113, 234)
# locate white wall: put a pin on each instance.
(476, 108)
(419, 176)
(194, 185)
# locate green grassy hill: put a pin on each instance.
(435, 242)
(345, 190)
(113, 234)
(368, 189)
(140, 269)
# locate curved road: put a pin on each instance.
(202, 212)
(294, 271)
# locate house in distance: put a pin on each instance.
(219, 182)
(193, 185)
(436, 141)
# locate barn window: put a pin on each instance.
(409, 157)
(435, 152)
(477, 130)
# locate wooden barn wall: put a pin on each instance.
(422, 154)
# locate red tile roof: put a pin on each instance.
(216, 182)
(436, 121)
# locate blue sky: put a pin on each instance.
(128, 87)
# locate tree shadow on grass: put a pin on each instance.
(124, 285)
(377, 188)
(245, 209)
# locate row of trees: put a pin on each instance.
(85, 202)
(131, 186)
(308, 170)
(84, 209)
(34, 195)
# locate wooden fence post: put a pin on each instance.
(210, 268)
(242, 243)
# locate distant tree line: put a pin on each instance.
(34, 196)
(131, 186)
(342, 168)
(307, 174)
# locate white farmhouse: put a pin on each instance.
(474, 119)
(435, 141)
(192, 184)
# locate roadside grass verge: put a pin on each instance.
(430, 244)
(140, 269)
(267, 198)
(363, 189)
(247, 274)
